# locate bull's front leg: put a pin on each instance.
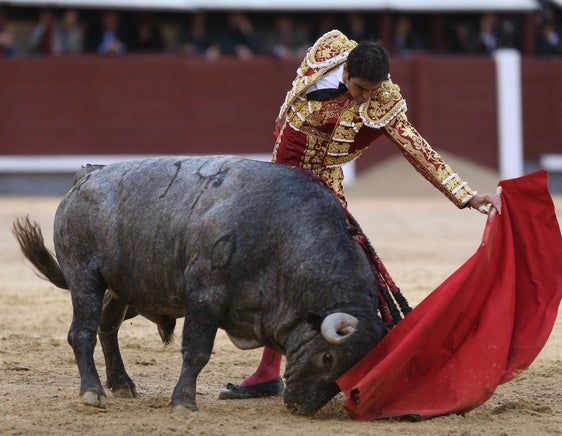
(199, 333)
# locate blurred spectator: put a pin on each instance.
(108, 37)
(442, 39)
(356, 28)
(549, 41)
(405, 40)
(41, 39)
(238, 37)
(324, 23)
(146, 35)
(463, 36)
(285, 41)
(197, 39)
(69, 35)
(507, 33)
(487, 39)
(6, 38)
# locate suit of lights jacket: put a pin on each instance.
(321, 136)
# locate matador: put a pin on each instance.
(341, 101)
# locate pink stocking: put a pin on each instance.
(268, 369)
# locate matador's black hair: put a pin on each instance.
(368, 61)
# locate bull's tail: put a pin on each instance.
(32, 245)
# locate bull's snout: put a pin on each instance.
(307, 402)
(299, 409)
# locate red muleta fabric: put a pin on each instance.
(484, 324)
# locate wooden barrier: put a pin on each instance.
(166, 104)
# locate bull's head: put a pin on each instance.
(321, 351)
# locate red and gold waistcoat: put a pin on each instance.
(323, 135)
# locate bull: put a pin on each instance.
(258, 249)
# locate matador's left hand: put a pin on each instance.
(487, 203)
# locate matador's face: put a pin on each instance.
(361, 90)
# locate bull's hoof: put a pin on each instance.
(272, 388)
(184, 409)
(126, 392)
(91, 398)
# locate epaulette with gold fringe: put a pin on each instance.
(329, 51)
(384, 106)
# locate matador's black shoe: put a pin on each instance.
(272, 388)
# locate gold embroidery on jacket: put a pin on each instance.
(428, 162)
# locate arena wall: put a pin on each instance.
(171, 105)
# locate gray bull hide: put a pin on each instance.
(258, 249)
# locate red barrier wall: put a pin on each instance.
(138, 105)
(542, 106)
(166, 104)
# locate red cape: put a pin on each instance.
(486, 322)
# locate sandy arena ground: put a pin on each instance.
(419, 235)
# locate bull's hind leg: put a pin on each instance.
(113, 314)
(87, 307)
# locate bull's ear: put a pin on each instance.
(315, 319)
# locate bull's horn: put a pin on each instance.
(338, 327)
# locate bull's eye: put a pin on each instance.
(327, 360)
